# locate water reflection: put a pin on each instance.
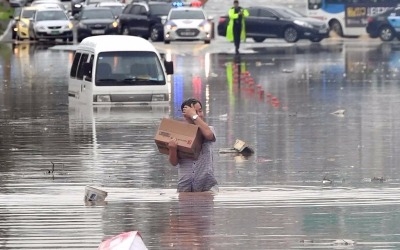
(190, 222)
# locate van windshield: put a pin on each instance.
(124, 68)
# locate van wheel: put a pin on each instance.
(154, 34)
(167, 42)
(386, 33)
(291, 35)
(207, 41)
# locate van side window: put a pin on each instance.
(89, 77)
(74, 66)
(84, 58)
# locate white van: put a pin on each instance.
(118, 69)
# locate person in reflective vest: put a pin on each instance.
(236, 29)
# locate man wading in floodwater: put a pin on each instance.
(195, 175)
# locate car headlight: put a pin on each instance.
(114, 24)
(171, 26)
(158, 98)
(69, 26)
(77, 5)
(205, 26)
(304, 24)
(40, 27)
(103, 98)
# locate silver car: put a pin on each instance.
(51, 24)
(187, 24)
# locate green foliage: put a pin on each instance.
(5, 11)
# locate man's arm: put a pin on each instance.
(245, 13)
(205, 129)
(173, 152)
(232, 14)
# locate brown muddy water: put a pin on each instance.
(317, 180)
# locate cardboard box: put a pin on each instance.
(242, 147)
(188, 135)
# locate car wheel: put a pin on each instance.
(70, 39)
(154, 34)
(316, 39)
(207, 41)
(386, 33)
(291, 35)
(125, 31)
(336, 27)
(79, 39)
(167, 42)
(259, 39)
(14, 35)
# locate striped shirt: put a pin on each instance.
(198, 175)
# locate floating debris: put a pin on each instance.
(325, 180)
(338, 112)
(223, 117)
(344, 242)
(239, 147)
(378, 179)
(287, 70)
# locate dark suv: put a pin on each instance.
(145, 19)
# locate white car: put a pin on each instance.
(51, 24)
(187, 24)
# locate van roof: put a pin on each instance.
(116, 43)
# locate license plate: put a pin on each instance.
(322, 31)
(187, 33)
(98, 32)
(55, 32)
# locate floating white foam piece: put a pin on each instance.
(339, 112)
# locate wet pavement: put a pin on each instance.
(317, 180)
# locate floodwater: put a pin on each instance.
(317, 180)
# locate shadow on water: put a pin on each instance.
(309, 184)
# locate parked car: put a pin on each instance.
(385, 25)
(50, 5)
(51, 24)
(95, 2)
(279, 22)
(92, 21)
(145, 19)
(187, 23)
(115, 7)
(27, 13)
(14, 22)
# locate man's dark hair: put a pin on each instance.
(189, 102)
(236, 1)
